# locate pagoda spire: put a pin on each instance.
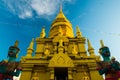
(62, 21)
(43, 34)
(78, 32)
(89, 44)
(61, 7)
(30, 48)
(90, 48)
(31, 44)
(61, 14)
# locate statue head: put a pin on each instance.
(13, 50)
(104, 50)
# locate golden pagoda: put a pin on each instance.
(61, 56)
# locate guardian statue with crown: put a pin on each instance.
(109, 67)
(10, 67)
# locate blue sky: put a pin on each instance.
(22, 20)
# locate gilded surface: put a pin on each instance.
(61, 53)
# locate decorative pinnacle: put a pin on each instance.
(42, 34)
(78, 32)
(43, 29)
(101, 42)
(89, 44)
(31, 44)
(32, 39)
(61, 7)
(16, 43)
(77, 29)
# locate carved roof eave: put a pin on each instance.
(61, 60)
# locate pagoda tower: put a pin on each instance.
(61, 56)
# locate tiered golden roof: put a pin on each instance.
(65, 24)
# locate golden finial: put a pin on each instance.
(16, 43)
(101, 42)
(31, 44)
(77, 29)
(30, 48)
(61, 7)
(43, 34)
(90, 48)
(78, 32)
(89, 44)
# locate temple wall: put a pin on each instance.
(26, 75)
(95, 75)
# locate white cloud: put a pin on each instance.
(45, 7)
(31, 8)
(26, 14)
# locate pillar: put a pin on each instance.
(70, 76)
(52, 74)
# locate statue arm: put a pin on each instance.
(3, 65)
(16, 73)
(102, 71)
(116, 65)
(102, 68)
